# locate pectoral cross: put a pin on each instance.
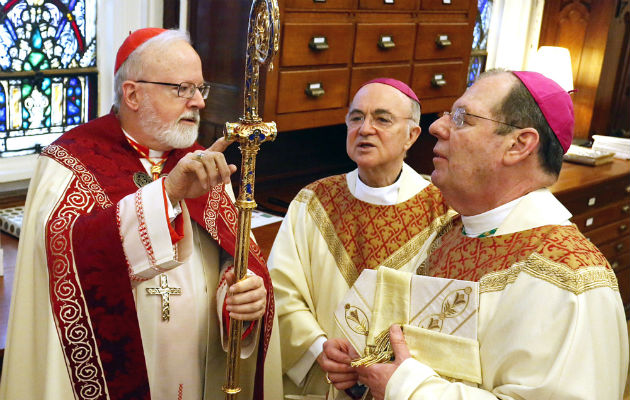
(166, 293)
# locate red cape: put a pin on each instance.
(90, 289)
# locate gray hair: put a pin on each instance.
(416, 112)
(133, 67)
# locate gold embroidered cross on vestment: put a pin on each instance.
(166, 293)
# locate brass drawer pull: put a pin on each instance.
(619, 246)
(627, 189)
(442, 41)
(388, 1)
(386, 42)
(591, 202)
(623, 227)
(314, 89)
(446, 1)
(625, 209)
(319, 1)
(438, 80)
(318, 43)
(615, 265)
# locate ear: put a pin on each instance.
(414, 134)
(523, 143)
(130, 95)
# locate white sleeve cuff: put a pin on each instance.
(145, 234)
(406, 379)
(298, 372)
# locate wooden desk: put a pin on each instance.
(599, 199)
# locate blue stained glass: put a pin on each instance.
(37, 35)
(37, 39)
(72, 109)
(55, 28)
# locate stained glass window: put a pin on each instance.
(479, 52)
(48, 72)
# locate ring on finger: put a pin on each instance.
(328, 379)
(198, 156)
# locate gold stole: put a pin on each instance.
(432, 322)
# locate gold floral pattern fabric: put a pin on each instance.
(461, 257)
(371, 235)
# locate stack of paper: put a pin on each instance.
(584, 155)
(619, 146)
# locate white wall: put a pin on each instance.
(514, 31)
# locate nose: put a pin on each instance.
(196, 101)
(441, 127)
(366, 128)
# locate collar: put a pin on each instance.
(535, 209)
(408, 184)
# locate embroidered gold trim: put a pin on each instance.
(316, 210)
(575, 281)
(401, 257)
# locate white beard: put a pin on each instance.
(174, 134)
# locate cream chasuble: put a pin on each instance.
(551, 322)
(326, 239)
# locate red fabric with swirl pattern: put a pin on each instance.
(83, 231)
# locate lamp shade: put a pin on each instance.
(554, 63)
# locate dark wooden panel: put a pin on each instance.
(367, 49)
(452, 72)
(360, 75)
(610, 232)
(427, 46)
(616, 249)
(583, 28)
(595, 196)
(296, 50)
(170, 19)
(321, 4)
(388, 4)
(292, 95)
(445, 5)
(602, 216)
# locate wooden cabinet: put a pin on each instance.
(599, 199)
(328, 48)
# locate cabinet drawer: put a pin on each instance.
(442, 41)
(623, 279)
(316, 44)
(384, 42)
(445, 5)
(320, 4)
(621, 262)
(328, 89)
(595, 196)
(609, 232)
(439, 79)
(602, 216)
(360, 75)
(388, 4)
(616, 248)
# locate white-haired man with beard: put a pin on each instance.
(123, 287)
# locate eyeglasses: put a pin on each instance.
(457, 117)
(379, 120)
(185, 89)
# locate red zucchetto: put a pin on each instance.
(132, 42)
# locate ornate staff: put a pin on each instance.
(262, 43)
